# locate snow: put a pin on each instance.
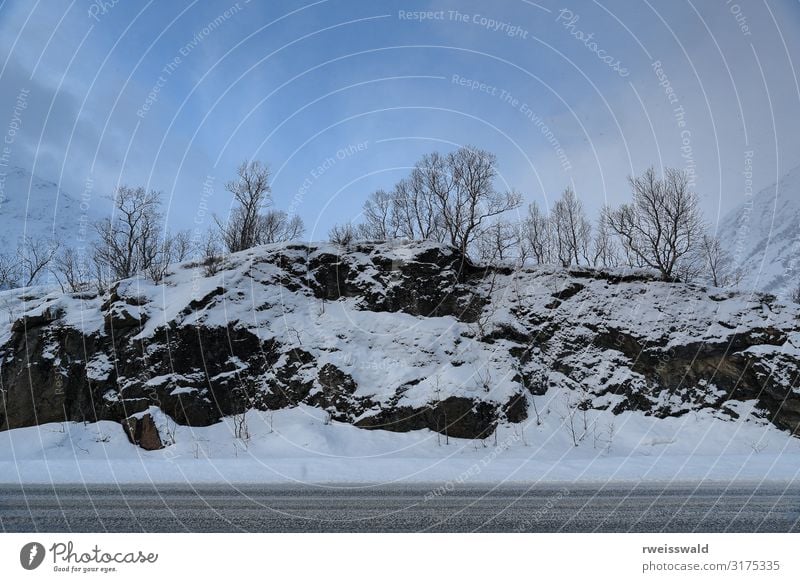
(300, 445)
(99, 368)
(37, 208)
(77, 310)
(763, 236)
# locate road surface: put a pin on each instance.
(418, 508)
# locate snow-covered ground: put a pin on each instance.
(300, 446)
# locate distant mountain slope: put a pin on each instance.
(34, 207)
(764, 237)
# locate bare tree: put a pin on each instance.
(342, 234)
(132, 241)
(382, 212)
(241, 429)
(795, 295)
(34, 255)
(572, 230)
(211, 250)
(538, 235)
(9, 271)
(161, 261)
(663, 225)
(472, 200)
(173, 249)
(718, 263)
(450, 199)
(276, 226)
(498, 242)
(73, 270)
(604, 249)
(129, 242)
(570, 412)
(181, 246)
(230, 230)
(295, 228)
(424, 196)
(412, 212)
(251, 193)
(691, 267)
(100, 274)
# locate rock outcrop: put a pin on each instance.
(392, 336)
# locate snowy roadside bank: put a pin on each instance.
(301, 446)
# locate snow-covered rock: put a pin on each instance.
(398, 337)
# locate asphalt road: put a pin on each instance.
(552, 508)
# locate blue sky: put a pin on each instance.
(341, 97)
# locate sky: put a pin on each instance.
(342, 97)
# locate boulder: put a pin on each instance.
(142, 431)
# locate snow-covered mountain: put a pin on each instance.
(37, 208)
(763, 236)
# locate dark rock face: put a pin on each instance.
(434, 284)
(685, 369)
(454, 416)
(337, 394)
(516, 409)
(550, 329)
(195, 375)
(43, 378)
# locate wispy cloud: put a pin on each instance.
(294, 83)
